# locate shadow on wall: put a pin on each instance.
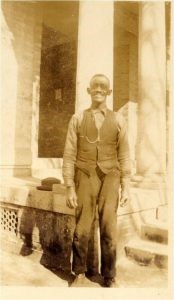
(53, 232)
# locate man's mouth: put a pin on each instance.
(98, 94)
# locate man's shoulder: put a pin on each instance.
(78, 116)
(119, 119)
(117, 115)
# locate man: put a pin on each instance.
(95, 163)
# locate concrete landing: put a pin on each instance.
(27, 271)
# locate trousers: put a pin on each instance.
(101, 192)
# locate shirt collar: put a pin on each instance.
(103, 110)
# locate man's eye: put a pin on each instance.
(103, 87)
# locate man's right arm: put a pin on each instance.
(70, 152)
(69, 159)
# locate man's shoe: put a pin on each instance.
(81, 281)
(94, 277)
(26, 250)
(110, 282)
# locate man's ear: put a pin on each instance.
(109, 92)
(89, 91)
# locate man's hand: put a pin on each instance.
(71, 200)
(124, 198)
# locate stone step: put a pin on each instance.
(147, 253)
(157, 232)
(162, 213)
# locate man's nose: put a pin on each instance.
(98, 89)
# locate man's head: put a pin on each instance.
(99, 88)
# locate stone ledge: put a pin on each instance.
(22, 192)
(25, 194)
(149, 181)
(27, 181)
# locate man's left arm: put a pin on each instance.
(123, 154)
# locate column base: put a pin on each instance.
(149, 181)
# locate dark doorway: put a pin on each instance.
(57, 75)
(125, 85)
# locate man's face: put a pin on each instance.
(99, 89)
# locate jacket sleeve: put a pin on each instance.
(123, 152)
(70, 152)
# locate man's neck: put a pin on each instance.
(98, 105)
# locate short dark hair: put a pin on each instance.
(100, 75)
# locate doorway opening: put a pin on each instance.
(57, 75)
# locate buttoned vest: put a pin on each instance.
(98, 146)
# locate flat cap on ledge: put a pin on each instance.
(47, 183)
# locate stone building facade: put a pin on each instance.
(50, 50)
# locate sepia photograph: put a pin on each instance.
(86, 149)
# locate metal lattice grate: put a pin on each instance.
(9, 220)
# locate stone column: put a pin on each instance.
(18, 24)
(171, 105)
(151, 144)
(95, 47)
(132, 103)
